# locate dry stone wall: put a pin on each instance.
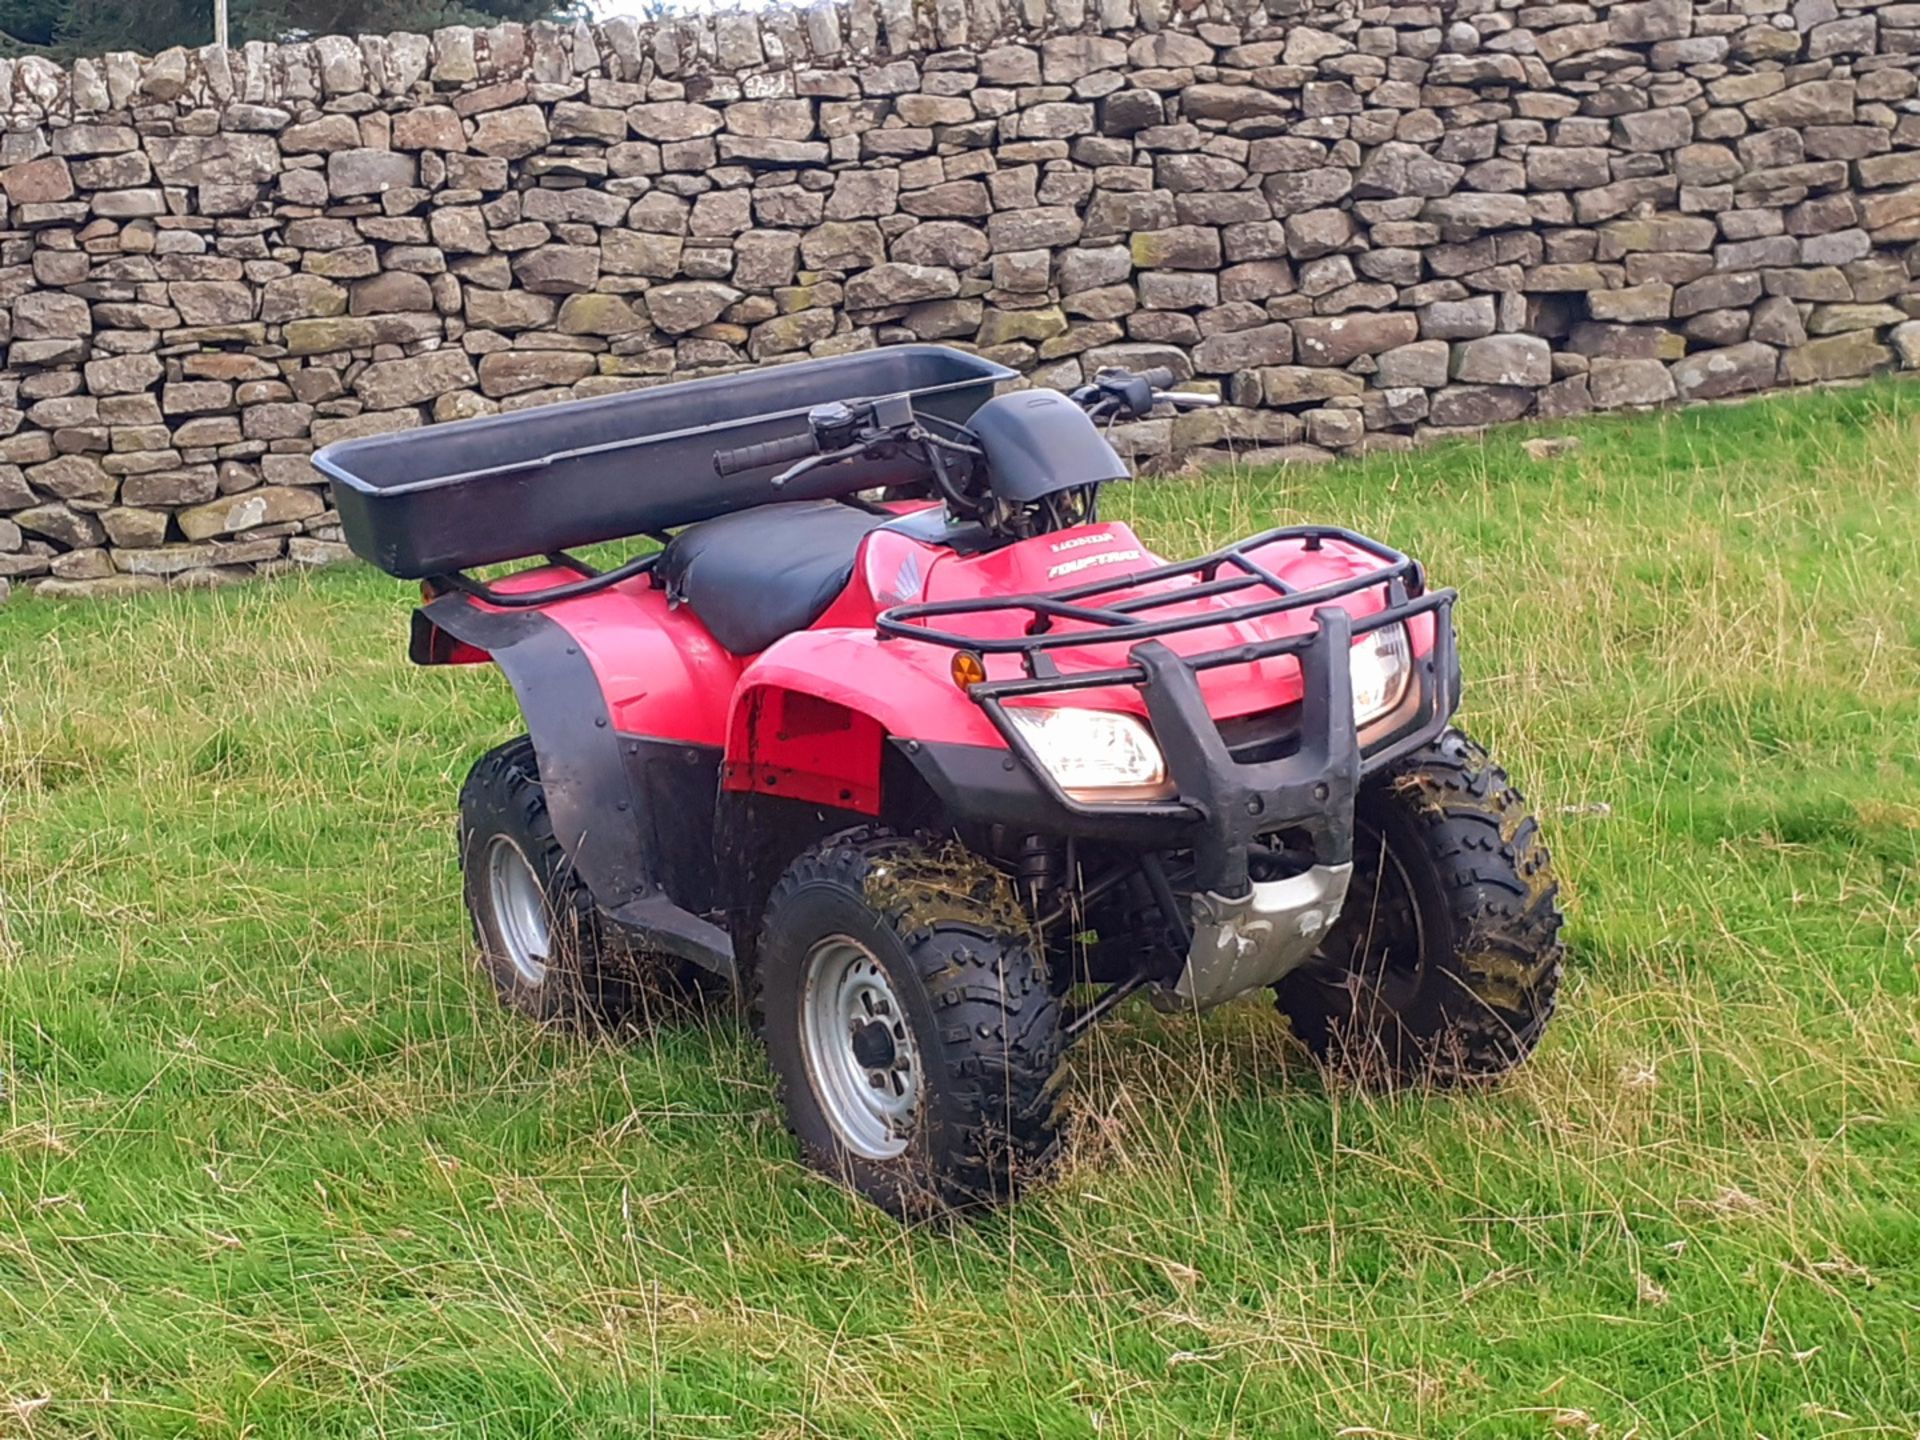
(1363, 223)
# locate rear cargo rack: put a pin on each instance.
(1129, 621)
(444, 498)
(590, 580)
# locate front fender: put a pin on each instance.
(811, 716)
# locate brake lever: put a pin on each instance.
(1184, 400)
(814, 462)
(801, 467)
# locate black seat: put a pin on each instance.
(758, 574)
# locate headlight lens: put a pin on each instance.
(1095, 754)
(1382, 668)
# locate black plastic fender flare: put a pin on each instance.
(590, 787)
(589, 791)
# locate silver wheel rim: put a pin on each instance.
(858, 1048)
(519, 910)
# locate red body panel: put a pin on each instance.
(807, 717)
(662, 674)
(907, 688)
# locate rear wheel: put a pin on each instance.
(542, 941)
(911, 1027)
(1445, 962)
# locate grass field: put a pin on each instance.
(273, 1164)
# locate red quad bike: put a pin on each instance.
(942, 777)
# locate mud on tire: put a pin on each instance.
(546, 949)
(943, 1007)
(1446, 960)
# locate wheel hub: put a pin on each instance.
(873, 1047)
(1380, 940)
(519, 910)
(860, 1054)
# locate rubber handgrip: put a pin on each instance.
(784, 451)
(1159, 377)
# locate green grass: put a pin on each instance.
(273, 1164)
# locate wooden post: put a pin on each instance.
(220, 23)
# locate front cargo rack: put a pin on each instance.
(1130, 621)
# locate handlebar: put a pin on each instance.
(1128, 394)
(840, 431)
(784, 451)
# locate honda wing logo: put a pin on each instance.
(907, 580)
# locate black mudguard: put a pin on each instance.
(588, 771)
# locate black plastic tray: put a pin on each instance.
(503, 487)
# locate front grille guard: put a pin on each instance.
(1313, 787)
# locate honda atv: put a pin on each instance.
(896, 733)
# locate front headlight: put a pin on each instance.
(1095, 754)
(1382, 668)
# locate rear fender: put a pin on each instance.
(812, 716)
(625, 701)
(589, 792)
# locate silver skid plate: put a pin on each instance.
(1242, 944)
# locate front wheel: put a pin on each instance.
(1445, 962)
(912, 1030)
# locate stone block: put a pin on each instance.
(1616, 384)
(945, 243)
(196, 397)
(50, 315)
(895, 283)
(389, 384)
(1476, 405)
(511, 134)
(1421, 363)
(673, 120)
(687, 305)
(1503, 360)
(360, 172)
(265, 505)
(516, 372)
(1463, 319)
(1816, 102)
(1732, 370)
(1836, 357)
(844, 245)
(1042, 227)
(430, 127)
(558, 269)
(1338, 340)
(1716, 292)
(1631, 304)
(1262, 345)
(45, 181)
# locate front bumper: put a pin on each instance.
(1292, 792)
(1223, 802)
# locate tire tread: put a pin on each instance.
(1496, 874)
